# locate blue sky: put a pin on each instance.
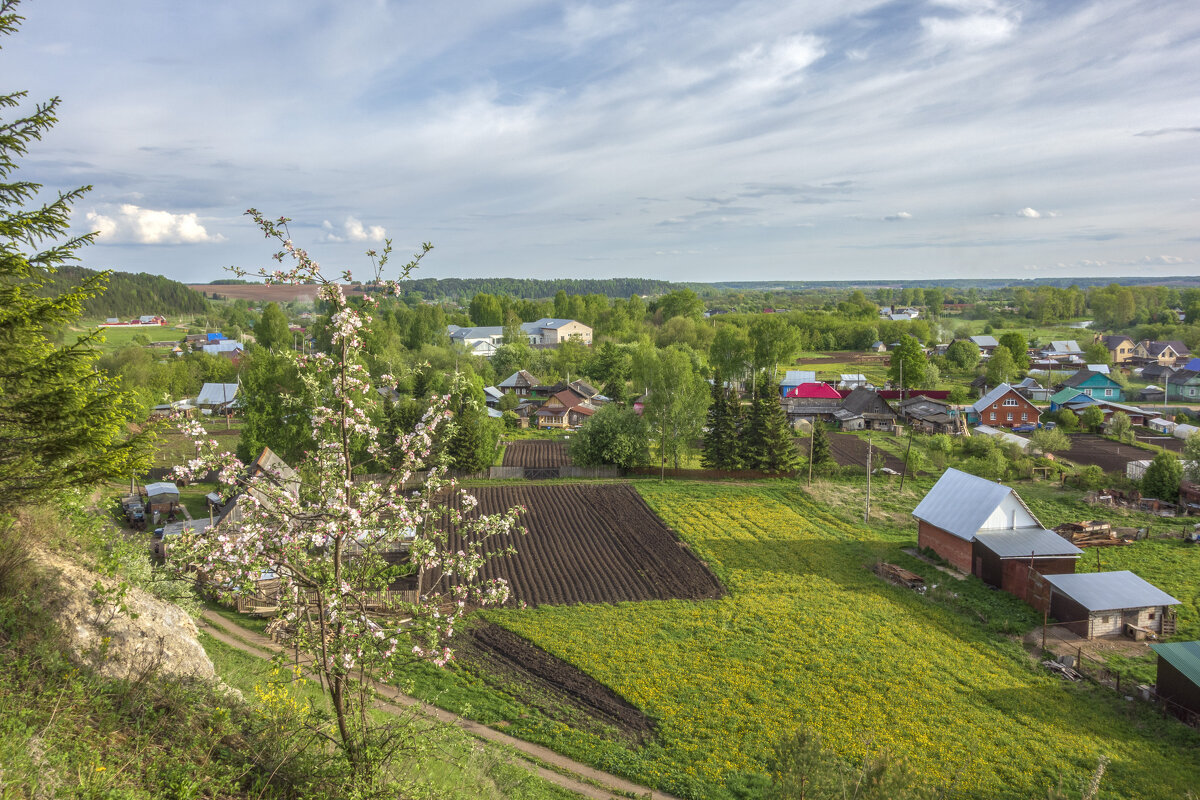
(683, 141)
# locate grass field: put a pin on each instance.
(809, 637)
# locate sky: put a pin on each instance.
(850, 140)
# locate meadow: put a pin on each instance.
(809, 637)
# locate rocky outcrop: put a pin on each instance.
(122, 632)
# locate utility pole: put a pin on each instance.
(867, 511)
(907, 450)
(812, 439)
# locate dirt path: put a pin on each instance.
(581, 779)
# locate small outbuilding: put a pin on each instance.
(1179, 677)
(161, 497)
(984, 528)
(1108, 604)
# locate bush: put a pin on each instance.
(1090, 478)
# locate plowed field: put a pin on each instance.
(537, 454)
(851, 451)
(592, 544)
(1110, 456)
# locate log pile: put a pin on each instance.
(1091, 533)
(900, 576)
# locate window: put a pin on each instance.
(993, 405)
(993, 416)
(1010, 416)
(1150, 615)
(1024, 417)
(1108, 392)
(1010, 401)
(1104, 620)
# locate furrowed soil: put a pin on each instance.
(548, 682)
(537, 455)
(1110, 456)
(591, 543)
(851, 451)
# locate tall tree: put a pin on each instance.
(62, 423)
(908, 363)
(729, 353)
(1017, 346)
(1162, 477)
(820, 450)
(767, 439)
(613, 435)
(962, 354)
(677, 403)
(722, 429)
(1000, 367)
(271, 331)
(773, 342)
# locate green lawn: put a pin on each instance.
(809, 637)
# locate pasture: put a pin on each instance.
(808, 637)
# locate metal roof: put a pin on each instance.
(216, 394)
(992, 397)
(162, 487)
(1183, 656)
(960, 503)
(1110, 591)
(1003, 435)
(546, 322)
(795, 377)
(1026, 542)
(985, 340)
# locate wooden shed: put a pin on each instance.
(1179, 677)
(1108, 604)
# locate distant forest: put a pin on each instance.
(1177, 281)
(129, 294)
(463, 289)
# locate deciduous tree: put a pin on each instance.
(613, 435)
(1162, 477)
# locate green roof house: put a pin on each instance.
(1184, 385)
(1095, 384)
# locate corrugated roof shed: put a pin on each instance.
(960, 503)
(1183, 656)
(160, 488)
(1023, 542)
(795, 377)
(1110, 591)
(985, 340)
(216, 394)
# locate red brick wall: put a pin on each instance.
(950, 547)
(1016, 579)
(998, 416)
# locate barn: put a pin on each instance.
(1179, 677)
(1108, 604)
(984, 528)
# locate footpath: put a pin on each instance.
(549, 765)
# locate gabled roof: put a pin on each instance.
(493, 392)
(216, 394)
(1193, 365)
(853, 377)
(985, 340)
(1068, 395)
(993, 396)
(519, 380)
(1103, 369)
(1115, 341)
(1156, 348)
(1003, 434)
(548, 322)
(1089, 376)
(1182, 376)
(162, 487)
(1068, 346)
(584, 389)
(865, 401)
(1183, 656)
(1026, 542)
(1110, 591)
(795, 377)
(814, 390)
(1028, 383)
(961, 503)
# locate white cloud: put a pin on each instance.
(131, 224)
(970, 31)
(782, 62)
(1029, 213)
(353, 230)
(899, 216)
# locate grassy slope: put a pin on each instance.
(809, 637)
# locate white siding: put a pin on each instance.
(1009, 514)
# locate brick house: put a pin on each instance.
(1005, 407)
(985, 529)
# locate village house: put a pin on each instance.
(520, 383)
(1003, 406)
(852, 380)
(161, 497)
(986, 343)
(985, 529)
(1164, 353)
(1178, 679)
(927, 415)
(810, 402)
(1184, 386)
(546, 332)
(863, 409)
(565, 409)
(1095, 384)
(1108, 604)
(217, 398)
(144, 319)
(1120, 348)
(794, 378)
(1059, 351)
(1033, 391)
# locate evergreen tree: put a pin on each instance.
(822, 452)
(722, 429)
(768, 442)
(62, 423)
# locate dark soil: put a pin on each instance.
(537, 454)
(1110, 456)
(851, 451)
(515, 660)
(591, 543)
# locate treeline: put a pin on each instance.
(129, 294)
(461, 289)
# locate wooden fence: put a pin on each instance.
(712, 474)
(266, 600)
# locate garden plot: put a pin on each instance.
(536, 454)
(1110, 456)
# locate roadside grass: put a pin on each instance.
(810, 637)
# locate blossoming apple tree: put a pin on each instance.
(323, 531)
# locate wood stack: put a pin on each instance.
(1090, 533)
(900, 576)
